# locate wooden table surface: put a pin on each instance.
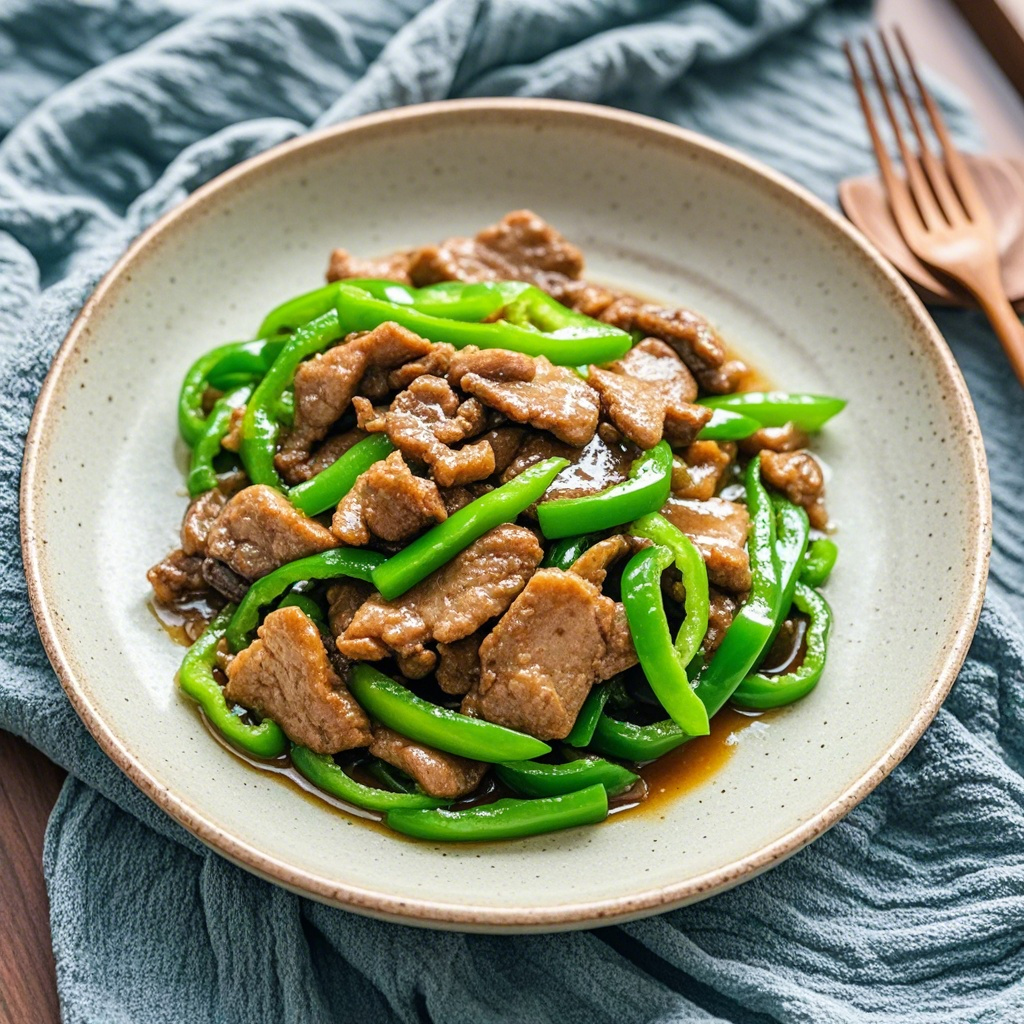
(29, 783)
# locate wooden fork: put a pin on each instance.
(937, 206)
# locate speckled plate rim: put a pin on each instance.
(430, 913)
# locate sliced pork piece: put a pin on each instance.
(387, 268)
(200, 516)
(459, 664)
(259, 530)
(326, 384)
(560, 636)
(699, 471)
(295, 471)
(425, 420)
(286, 675)
(343, 601)
(520, 247)
(721, 612)
(604, 460)
(798, 476)
(438, 774)
(654, 362)
(787, 438)
(530, 391)
(225, 581)
(435, 364)
(389, 502)
(451, 603)
(645, 411)
(593, 564)
(719, 530)
(178, 577)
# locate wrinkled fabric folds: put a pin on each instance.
(910, 909)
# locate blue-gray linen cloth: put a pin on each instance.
(111, 112)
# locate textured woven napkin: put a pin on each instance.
(111, 111)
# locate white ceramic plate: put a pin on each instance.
(657, 210)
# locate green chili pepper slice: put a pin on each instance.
(819, 562)
(645, 612)
(646, 490)
(202, 476)
(195, 677)
(563, 553)
(777, 408)
(505, 819)
(330, 485)
(259, 425)
(531, 778)
(761, 691)
(640, 743)
(326, 774)
(400, 709)
(752, 627)
(727, 426)
(245, 362)
(330, 564)
(443, 542)
(191, 418)
(586, 721)
(792, 529)
(563, 335)
(455, 300)
(690, 564)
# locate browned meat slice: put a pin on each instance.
(787, 438)
(259, 530)
(232, 440)
(798, 476)
(520, 247)
(388, 502)
(603, 461)
(177, 577)
(551, 398)
(343, 601)
(646, 410)
(435, 364)
(295, 471)
(387, 268)
(505, 442)
(719, 529)
(620, 653)
(459, 664)
(438, 774)
(199, 518)
(721, 612)
(655, 362)
(537, 666)
(326, 384)
(286, 675)
(724, 379)
(593, 564)
(425, 420)
(477, 585)
(699, 472)
(225, 581)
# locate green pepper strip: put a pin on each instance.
(195, 677)
(533, 779)
(645, 612)
(792, 529)
(259, 425)
(690, 564)
(777, 408)
(761, 691)
(202, 476)
(646, 490)
(326, 774)
(307, 606)
(400, 709)
(337, 562)
(387, 774)
(563, 553)
(586, 721)
(444, 541)
(455, 300)
(505, 819)
(742, 645)
(727, 426)
(564, 336)
(819, 562)
(191, 419)
(330, 485)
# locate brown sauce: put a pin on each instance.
(184, 621)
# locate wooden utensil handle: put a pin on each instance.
(1008, 327)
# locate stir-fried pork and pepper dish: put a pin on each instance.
(480, 538)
